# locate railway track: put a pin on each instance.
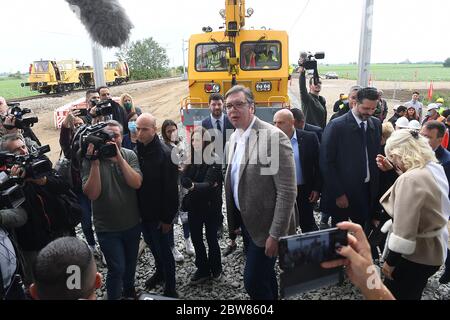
(59, 95)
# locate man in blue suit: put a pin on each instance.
(217, 120)
(306, 156)
(223, 129)
(350, 145)
(300, 123)
(435, 131)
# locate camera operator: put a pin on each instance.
(69, 127)
(118, 113)
(92, 98)
(111, 184)
(45, 221)
(7, 126)
(10, 266)
(313, 104)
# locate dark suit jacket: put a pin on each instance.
(317, 130)
(308, 145)
(207, 124)
(443, 157)
(342, 165)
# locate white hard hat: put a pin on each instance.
(402, 123)
(415, 125)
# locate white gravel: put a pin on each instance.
(231, 285)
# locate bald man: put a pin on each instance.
(306, 154)
(158, 201)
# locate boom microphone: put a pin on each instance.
(105, 20)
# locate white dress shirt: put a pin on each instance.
(358, 120)
(238, 157)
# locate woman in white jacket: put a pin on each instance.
(419, 205)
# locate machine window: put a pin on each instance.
(212, 57)
(261, 55)
(41, 66)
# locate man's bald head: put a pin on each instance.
(284, 120)
(146, 128)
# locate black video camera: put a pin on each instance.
(36, 166)
(22, 122)
(103, 108)
(309, 62)
(99, 137)
(11, 193)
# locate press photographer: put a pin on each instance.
(313, 104)
(117, 112)
(11, 216)
(110, 181)
(18, 120)
(43, 191)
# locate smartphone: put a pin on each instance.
(82, 112)
(301, 256)
(311, 248)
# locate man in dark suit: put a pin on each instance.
(220, 128)
(299, 123)
(306, 155)
(435, 131)
(218, 120)
(350, 145)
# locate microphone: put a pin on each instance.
(105, 20)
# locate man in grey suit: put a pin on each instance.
(260, 189)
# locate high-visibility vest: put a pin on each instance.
(215, 61)
(445, 140)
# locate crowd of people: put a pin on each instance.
(385, 181)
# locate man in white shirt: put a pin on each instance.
(260, 190)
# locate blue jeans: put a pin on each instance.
(86, 218)
(211, 263)
(186, 234)
(121, 252)
(160, 247)
(260, 279)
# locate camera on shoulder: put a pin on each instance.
(35, 164)
(103, 108)
(21, 120)
(98, 136)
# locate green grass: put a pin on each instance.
(10, 88)
(393, 72)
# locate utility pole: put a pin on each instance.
(184, 76)
(365, 48)
(99, 72)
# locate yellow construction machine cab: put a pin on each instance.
(257, 59)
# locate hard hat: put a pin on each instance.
(345, 97)
(440, 100)
(433, 106)
(414, 125)
(402, 123)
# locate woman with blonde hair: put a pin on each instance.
(126, 101)
(419, 206)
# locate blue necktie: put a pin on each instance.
(218, 125)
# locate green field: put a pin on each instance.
(393, 72)
(10, 88)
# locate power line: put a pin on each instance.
(300, 15)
